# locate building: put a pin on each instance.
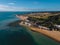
(57, 27)
(45, 28)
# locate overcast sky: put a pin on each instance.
(29, 5)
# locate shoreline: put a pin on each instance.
(55, 35)
(43, 32)
(50, 34)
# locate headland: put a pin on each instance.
(45, 23)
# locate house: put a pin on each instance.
(45, 28)
(57, 27)
(28, 24)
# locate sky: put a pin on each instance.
(29, 5)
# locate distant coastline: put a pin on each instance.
(51, 34)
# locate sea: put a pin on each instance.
(11, 33)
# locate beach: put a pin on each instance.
(11, 33)
(29, 22)
(55, 35)
(52, 34)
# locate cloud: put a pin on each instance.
(11, 8)
(11, 3)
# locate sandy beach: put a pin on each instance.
(55, 35)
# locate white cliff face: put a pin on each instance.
(22, 17)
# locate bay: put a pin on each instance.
(11, 33)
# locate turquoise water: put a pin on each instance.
(13, 34)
